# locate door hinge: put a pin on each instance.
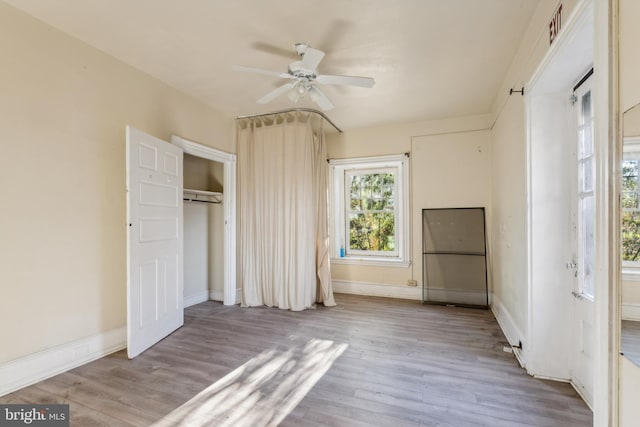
(573, 99)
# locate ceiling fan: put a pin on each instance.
(304, 78)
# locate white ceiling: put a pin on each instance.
(431, 59)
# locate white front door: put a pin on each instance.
(154, 240)
(583, 319)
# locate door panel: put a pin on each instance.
(154, 240)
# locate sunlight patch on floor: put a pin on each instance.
(262, 392)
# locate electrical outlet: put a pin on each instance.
(412, 283)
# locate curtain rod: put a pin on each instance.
(292, 110)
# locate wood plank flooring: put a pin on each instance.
(368, 362)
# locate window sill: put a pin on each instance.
(631, 274)
(371, 261)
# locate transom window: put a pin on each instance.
(369, 208)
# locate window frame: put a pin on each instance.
(631, 151)
(338, 196)
(585, 188)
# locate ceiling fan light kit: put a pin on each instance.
(305, 78)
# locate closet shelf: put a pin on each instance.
(202, 196)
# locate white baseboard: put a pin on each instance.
(513, 334)
(219, 295)
(44, 364)
(377, 289)
(196, 298)
(216, 295)
(631, 312)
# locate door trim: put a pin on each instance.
(229, 206)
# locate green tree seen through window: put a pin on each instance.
(371, 212)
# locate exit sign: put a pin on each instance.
(555, 25)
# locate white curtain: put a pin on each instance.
(284, 236)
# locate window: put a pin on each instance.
(586, 195)
(369, 206)
(630, 203)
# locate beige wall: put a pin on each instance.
(629, 57)
(440, 150)
(63, 112)
(196, 173)
(631, 292)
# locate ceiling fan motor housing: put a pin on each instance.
(296, 70)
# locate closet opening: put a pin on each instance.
(209, 228)
(203, 208)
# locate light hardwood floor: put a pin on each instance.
(368, 362)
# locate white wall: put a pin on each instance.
(450, 167)
(63, 112)
(509, 208)
(196, 253)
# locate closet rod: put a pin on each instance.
(293, 110)
(202, 201)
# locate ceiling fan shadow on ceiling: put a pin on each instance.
(304, 79)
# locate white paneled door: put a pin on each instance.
(154, 240)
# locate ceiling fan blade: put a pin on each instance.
(329, 79)
(275, 50)
(311, 59)
(275, 93)
(320, 98)
(261, 71)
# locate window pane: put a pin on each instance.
(372, 192)
(631, 236)
(586, 106)
(586, 176)
(630, 175)
(586, 141)
(588, 244)
(629, 200)
(372, 231)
